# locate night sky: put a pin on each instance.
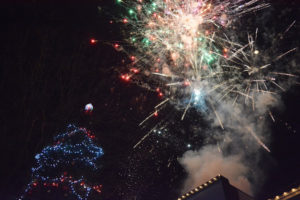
(50, 71)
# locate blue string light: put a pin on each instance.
(71, 151)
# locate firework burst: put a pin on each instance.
(188, 51)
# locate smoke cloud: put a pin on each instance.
(245, 133)
(208, 162)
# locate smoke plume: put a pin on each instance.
(208, 162)
(245, 133)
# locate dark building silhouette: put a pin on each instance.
(217, 188)
(293, 194)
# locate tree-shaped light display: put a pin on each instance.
(67, 165)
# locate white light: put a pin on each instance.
(197, 92)
(89, 107)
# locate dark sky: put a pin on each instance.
(49, 71)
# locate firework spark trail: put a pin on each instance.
(290, 26)
(149, 116)
(284, 74)
(278, 86)
(161, 103)
(271, 115)
(217, 115)
(257, 139)
(145, 136)
(186, 109)
(284, 54)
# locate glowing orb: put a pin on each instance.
(93, 41)
(88, 108)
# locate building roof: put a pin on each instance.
(218, 184)
(294, 192)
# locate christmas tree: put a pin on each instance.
(66, 167)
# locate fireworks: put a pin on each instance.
(189, 52)
(179, 46)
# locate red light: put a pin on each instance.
(34, 184)
(132, 58)
(111, 21)
(116, 45)
(160, 94)
(155, 114)
(125, 77)
(134, 70)
(98, 188)
(93, 41)
(125, 21)
(187, 83)
(157, 89)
